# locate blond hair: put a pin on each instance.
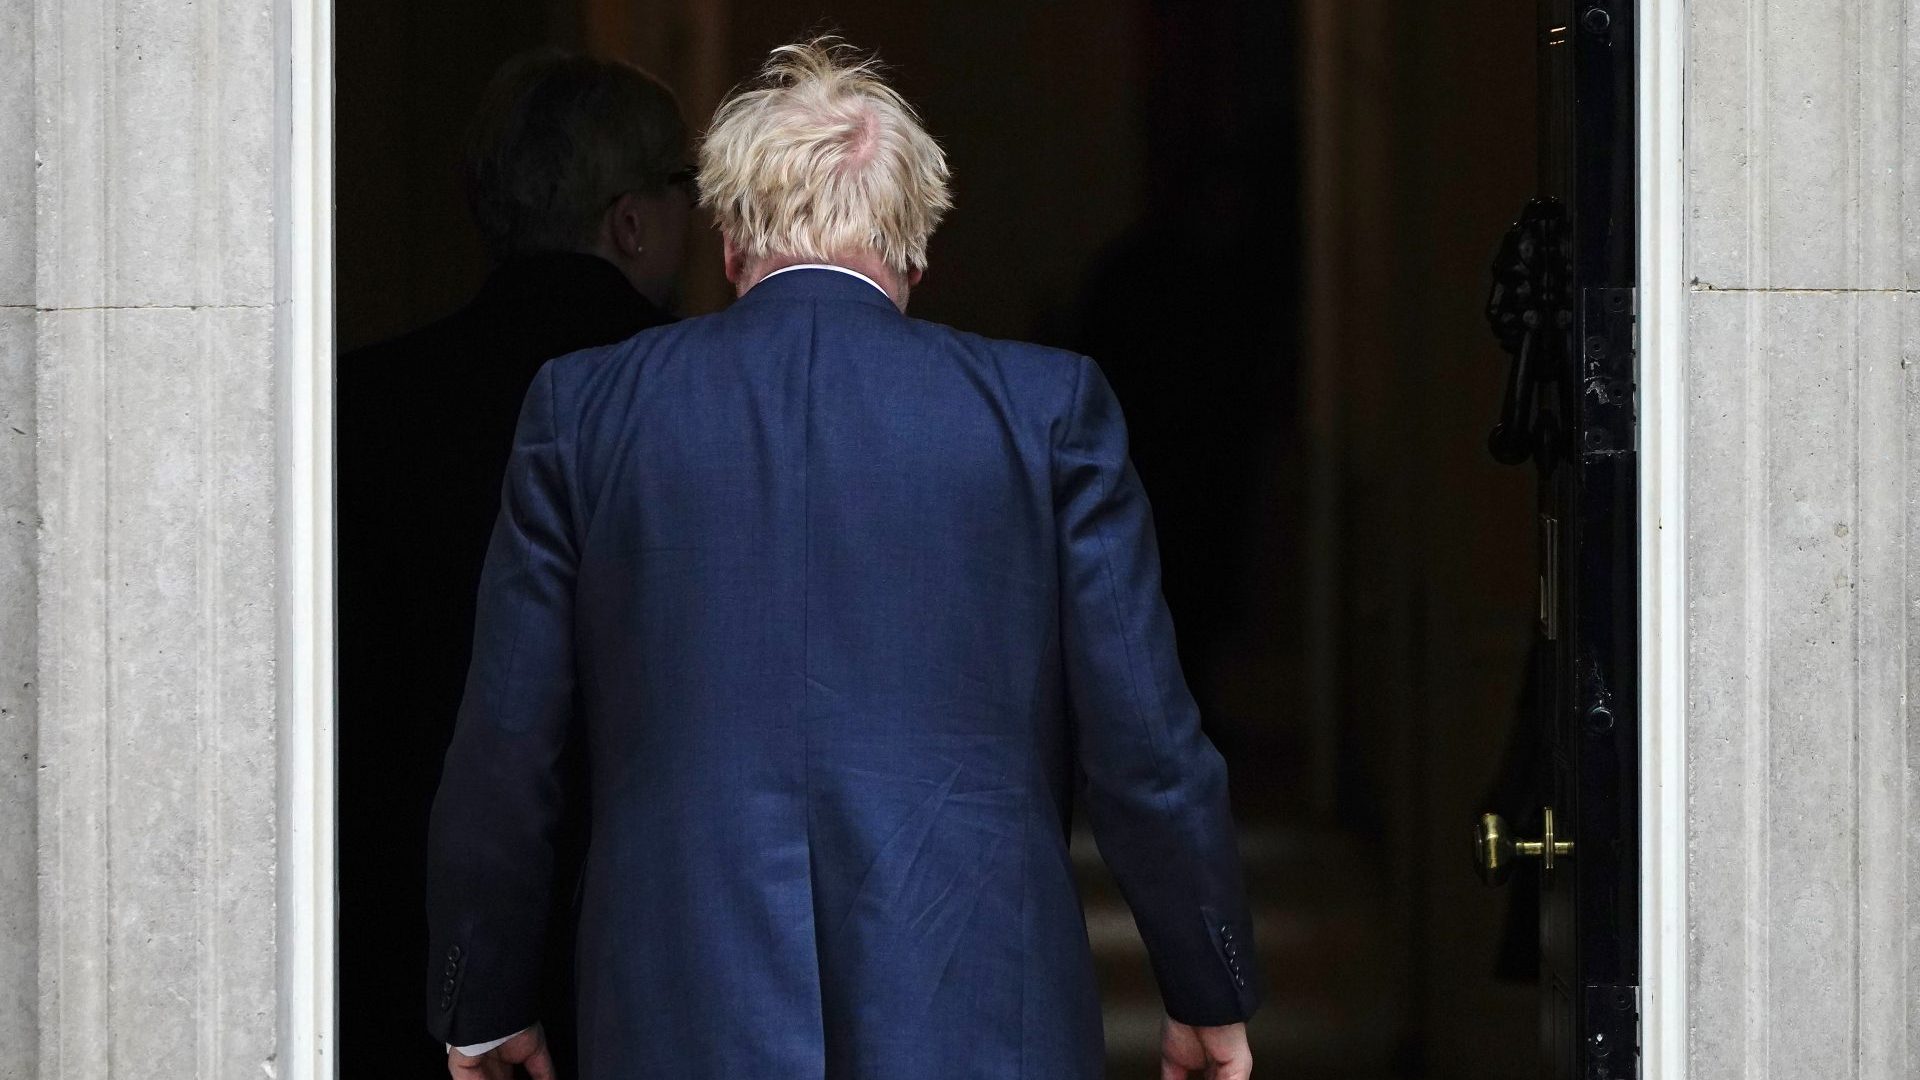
(819, 158)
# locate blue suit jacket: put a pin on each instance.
(848, 604)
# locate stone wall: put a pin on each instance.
(1803, 850)
(137, 189)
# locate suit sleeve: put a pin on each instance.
(490, 843)
(1155, 787)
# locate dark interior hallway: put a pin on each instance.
(1270, 224)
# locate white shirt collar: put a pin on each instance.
(827, 266)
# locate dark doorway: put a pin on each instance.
(1271, 225)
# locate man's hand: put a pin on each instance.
(1217, 1053)
(527, 1049)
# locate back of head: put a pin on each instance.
(818, 159)
(557, 138)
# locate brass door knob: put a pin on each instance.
(1495, 849)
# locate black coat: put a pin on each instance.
(425, 424)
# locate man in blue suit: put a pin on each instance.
(850, 605)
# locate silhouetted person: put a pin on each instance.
(577, 179)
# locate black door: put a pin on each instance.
(1563, 305)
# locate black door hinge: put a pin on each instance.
(1607, 370)
(1612, 1032)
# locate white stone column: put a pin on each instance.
(153, 258)
(1804, 843)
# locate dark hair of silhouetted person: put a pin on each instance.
(557, 139)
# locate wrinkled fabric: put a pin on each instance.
(848, 603)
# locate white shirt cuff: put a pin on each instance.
(480, 1048)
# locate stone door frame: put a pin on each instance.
(304, 430)
(1663, 591)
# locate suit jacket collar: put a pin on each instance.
(816, 284)
(566, 281)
